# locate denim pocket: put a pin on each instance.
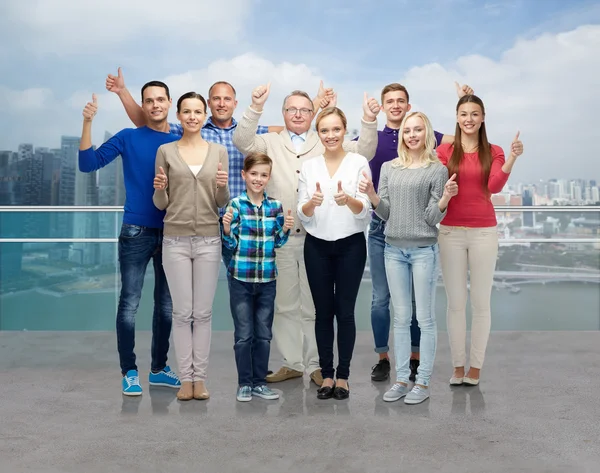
(131, 231)
(170, 241)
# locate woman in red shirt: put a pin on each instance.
(468, 239)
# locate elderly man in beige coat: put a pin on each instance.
(294, 321)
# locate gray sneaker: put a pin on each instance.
(244, 394)
(397, 391)
(264, 392)
(417, 395)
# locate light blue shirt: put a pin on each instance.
(297, 140)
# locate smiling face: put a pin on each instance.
(156, 104)
(331, 131)
(257, 178)
(469, 117)
(297, 114)
(395, 106)
(192, 115)
(414, 133)
(222, 103)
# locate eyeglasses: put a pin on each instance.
(294, 110)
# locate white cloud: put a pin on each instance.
(545, 87)
(90, 26)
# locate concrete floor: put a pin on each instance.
(537, 410)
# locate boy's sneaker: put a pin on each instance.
(244, 394)
(381, 371)
(417, 395)
(397, 391)
(165, 377)
(131, 384)
(264, 392)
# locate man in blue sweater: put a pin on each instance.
(141, 233)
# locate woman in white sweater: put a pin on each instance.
(335, 216)
(414, 191)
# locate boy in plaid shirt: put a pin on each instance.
(253, 227)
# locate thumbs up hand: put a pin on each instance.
(516, 147)
(317, 197)
(116, 83)
(222, 176)
(259, 96)
(463, 90)
(160, 180)
(370, 108)
(366, 185)
(340, 197)
(289, 221)
(90, 109)
(451, 187)
(227, 218)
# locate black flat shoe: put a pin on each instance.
(341, 393)
(326, 392)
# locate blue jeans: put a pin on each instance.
(252, 308)
(137, 246)
(424, 265)
(380, 303)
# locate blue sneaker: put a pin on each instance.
(165, 378)
(264, 392)
(131, 384)
(244, 394)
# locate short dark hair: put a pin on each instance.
(256, 159)
(190, 95)
(221, 82)
(156, 83)
(394, 87)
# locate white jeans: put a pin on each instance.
(294, 321)
(474, 249)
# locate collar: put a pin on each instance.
(302, 135)
(210, 124)
(244, 196)
(387, 129)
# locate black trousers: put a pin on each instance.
(335, 270)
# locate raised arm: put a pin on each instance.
(134, 111)
(222, 194)
(366, 145)
(161, 181)
(433, 212)
(382, 209)
(89, 159)
(245, 138)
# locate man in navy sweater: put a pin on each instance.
(141, 234)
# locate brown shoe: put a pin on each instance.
(200, 391)
(186, 392)
(317, 377)
(283, 374)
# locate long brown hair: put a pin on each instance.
(484, 149)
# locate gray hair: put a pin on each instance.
(297, 93)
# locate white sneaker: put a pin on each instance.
(397, 391)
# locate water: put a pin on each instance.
(553, 306)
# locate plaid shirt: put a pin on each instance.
(255, 233)
(223, 136)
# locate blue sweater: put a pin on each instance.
(137, 147)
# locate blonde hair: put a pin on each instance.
(428, 156)
(331, 111)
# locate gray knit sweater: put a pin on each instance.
(409, 204)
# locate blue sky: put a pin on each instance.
(517, 54)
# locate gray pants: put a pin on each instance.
(191, 265)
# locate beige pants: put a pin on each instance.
(294, 321)
(475, 250)
(191, 265)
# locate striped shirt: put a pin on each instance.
(255, 233)
(224, 136)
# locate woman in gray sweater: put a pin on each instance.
(414, 191)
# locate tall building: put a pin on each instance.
(595, 194)
(527, 201)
